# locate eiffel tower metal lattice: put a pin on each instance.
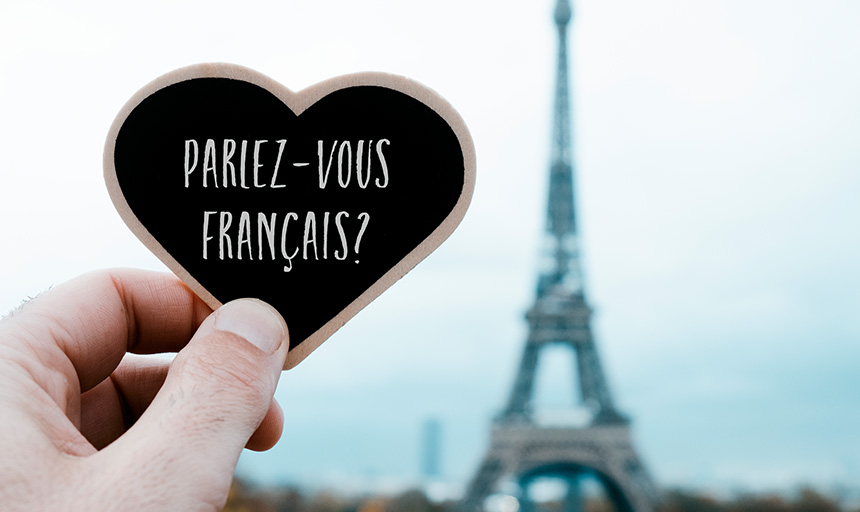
(521, 448)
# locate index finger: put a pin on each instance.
(98, 317)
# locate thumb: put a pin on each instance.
(217, 392)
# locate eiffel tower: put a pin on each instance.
(520, 448)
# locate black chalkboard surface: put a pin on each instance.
(314, 202)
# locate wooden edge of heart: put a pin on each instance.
(298, 102)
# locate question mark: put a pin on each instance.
(361, 231)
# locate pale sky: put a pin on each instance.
(717, 147)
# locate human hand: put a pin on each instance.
(87, 425)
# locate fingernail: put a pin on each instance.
(253, 320)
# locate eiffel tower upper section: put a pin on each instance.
(560, 313)
(562, 258)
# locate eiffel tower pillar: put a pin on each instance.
(520, 448)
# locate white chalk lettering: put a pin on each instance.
(304, 245)
(224, 224)
(325, 235)
(209, 163)
(288, 257)
(266, 226)
(342, 235)
(257, 164)
(324, 177)
(258, 167)
(345, 163)
(190, 168)
(382, 161)
(206, 236)
(362, 183)
(244, 229)
(281, 144)
(229, 151)
(310, 235)
(242, 165)
(340, 179)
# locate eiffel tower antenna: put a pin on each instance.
(521, 448)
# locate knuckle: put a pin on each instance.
(234, 374)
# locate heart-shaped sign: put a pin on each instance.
(315, 201)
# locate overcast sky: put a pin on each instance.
(717, 147)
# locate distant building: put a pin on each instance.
(431, 436)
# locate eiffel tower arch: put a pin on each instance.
(522, 449)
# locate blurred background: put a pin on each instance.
(717, 146)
